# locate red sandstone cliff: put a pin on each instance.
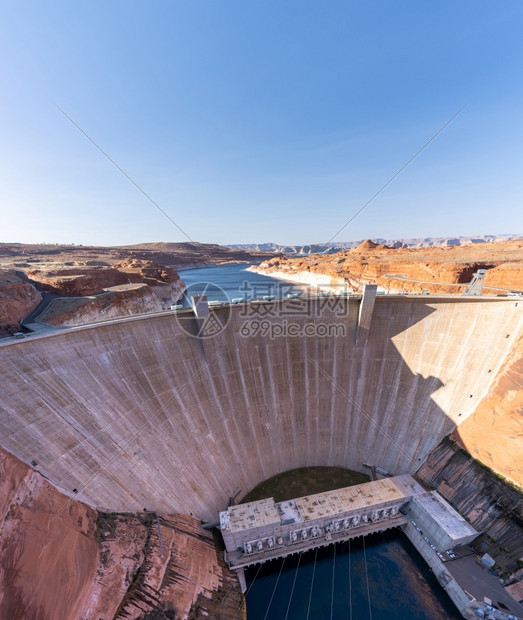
(90, 294)
(437, 270)
(115, 302)
(61, 559)
(17, 299)
(464, 467)
(494, 432)
(81, 280)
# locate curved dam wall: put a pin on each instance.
(136, 413)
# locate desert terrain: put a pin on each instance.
(82, 283)
(441, 270)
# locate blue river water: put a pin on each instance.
(381, 577)
(387, 579)
(236, 282)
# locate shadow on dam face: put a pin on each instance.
(138, 413)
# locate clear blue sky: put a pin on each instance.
(259, 121)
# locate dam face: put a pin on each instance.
(137, 413)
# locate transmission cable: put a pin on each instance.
(274, 590)
(293, 584)
(350, 584)
(312, 582)
(333, 574)
(428, 479)
(246, 592)
(434, 136)
(198, 246)
(367, 576)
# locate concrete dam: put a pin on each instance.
(141, 413)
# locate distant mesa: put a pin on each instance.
(369, 245)
(335, 246)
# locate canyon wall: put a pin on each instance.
(18, 298)
(93, 292)
(140, 413)
(61, 559)
(121, 301)
(491, 505)
(395, 270)
(493, 434)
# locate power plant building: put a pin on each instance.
(261, 530)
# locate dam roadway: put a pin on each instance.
(137, 413)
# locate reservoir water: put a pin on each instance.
(385, 579)
(236, 282)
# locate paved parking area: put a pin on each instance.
(475, 579)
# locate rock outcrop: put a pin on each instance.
(93, 292)
(83, 280)
(78, 281)
(61, 559)
(506, 275)
(48, 551)
(118, 301)
(437, 270)
(18, 298)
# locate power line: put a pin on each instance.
(312, 582)
(246, 593)
(367, 577)
(333, 573)
(369, 418)
(198, 245)
(293, 584)
(392, 178)
(274, 590)
(355, 404)
(146, 423)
